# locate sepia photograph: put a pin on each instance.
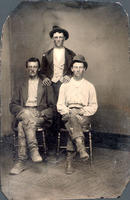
(65, 101)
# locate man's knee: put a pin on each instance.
(29, 124)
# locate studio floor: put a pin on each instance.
(107, 177)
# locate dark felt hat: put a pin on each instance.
(80, 58)
(59, 29)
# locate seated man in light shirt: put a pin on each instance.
(76, 103)
(32, 105)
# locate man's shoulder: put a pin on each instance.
(88, 83)
(70, 51)
(65, 85)
(47, 52)
(21, 83)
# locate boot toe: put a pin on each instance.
(69, 171)
(36, 156)
(38, 159)
(17, 169)
(84, 155)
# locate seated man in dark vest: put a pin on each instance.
(76, 103)
(32, 105)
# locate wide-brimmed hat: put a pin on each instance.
(80, 58)
(59, 29)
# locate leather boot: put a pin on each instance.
(35, 156)
(81, 148)
(68, 168)
(32, 144)
(18, 168)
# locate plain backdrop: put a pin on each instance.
(99, 31)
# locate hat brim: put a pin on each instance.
(66, 34)
(84, 62)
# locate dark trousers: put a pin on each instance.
(52, 138)
(56, 87)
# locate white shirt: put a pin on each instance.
(32, 92)
(58, 61)
(79, 94)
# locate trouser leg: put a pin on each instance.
(22, 149)
(29, 126)
(69, 158)
(70, 144)
(75, 130)
(56, 87)
(30, 131)
(22, 152)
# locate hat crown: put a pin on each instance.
(55, 27)
(79, 58)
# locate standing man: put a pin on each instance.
(55, 65)
(32, 105)
(76, 103)
(55, 68)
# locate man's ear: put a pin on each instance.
(72, 68)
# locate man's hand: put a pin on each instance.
(81, 112)
(65, 117)
(73, 112)
(42, 113)
(66, 79)
(46, 82)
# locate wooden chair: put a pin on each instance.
(86, 131)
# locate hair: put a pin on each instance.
(58, 31)
(33, 59)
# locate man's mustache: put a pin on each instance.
(32, 71)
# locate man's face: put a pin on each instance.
(78, 70)
(32, 69)
(58, 39)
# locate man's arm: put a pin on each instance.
(43, 71)
(61, 106)
(49, 111)
(92, 106)
(15, 104)
(43, 67)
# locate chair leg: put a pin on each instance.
(58, 146)
(90, 146)
(44, 142)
